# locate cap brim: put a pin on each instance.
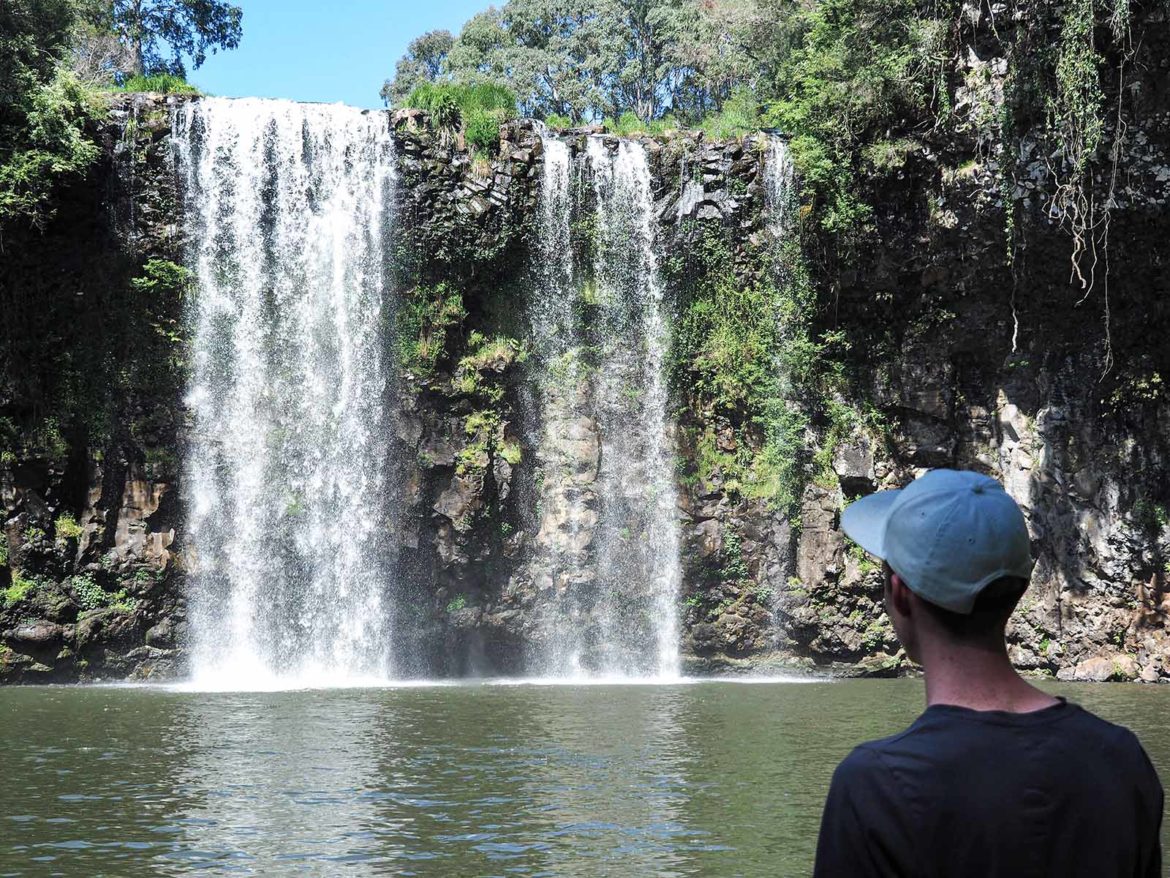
(864, 520)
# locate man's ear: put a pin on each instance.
(899, 594)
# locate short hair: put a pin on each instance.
(989, 615)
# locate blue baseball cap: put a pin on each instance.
(948, 535)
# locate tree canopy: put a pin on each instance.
(422, 63)
(42, 106)
(161, 34)
(54, 54)
(589, 59)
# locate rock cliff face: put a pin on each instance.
(960, 358)
(1017, 369)
(90, 586)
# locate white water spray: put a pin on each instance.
(288, 208)
(614, 569)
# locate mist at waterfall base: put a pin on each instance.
(291, 484)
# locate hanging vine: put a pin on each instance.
(1075, 120)
(1076, 116)
(1080, 122)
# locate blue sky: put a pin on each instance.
(309, 50)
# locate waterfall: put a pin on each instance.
(569, 444)
(288, 208)
(609, 532)
(779, 186)
(779, 209)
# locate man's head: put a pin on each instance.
(955, 552)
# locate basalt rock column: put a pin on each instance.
(288, 210)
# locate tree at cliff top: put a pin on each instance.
(54, 52)
(422, 63)
(42, 108)
(590, 59)
(148, 29)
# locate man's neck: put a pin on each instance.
(980, 678)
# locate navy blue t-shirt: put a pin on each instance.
(1055, 792)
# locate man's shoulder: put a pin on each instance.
(868, 761)
(1093, 732)
(1124, 746)
(868, 756)
(945, 735)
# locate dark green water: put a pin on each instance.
(714, 779)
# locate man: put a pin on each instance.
(996, 778)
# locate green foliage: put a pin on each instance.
(91, 596)
(487, 357)
(739, 115)
(46, 440)
(145, 579)
(19, 589)
(510, 452)
(457, 603)
(1075, 120)
(496, 353)
(729, 332)
(426, 317)
(480, 422)
(483, 130)
(865, 77)
(67, 528)
(875, 636)
(578, 62)
(1075, 107)
(482, 427)
(88, 593)
(480, 376)
(734, 568)
(159, 83)
(478, 109)
(422, 63)
(557, 121)
(764, 387)
(34, 39)
(43, 143)
(1151, 515)
(1130, 391)
(164, 279)
(189, 29)
(629, 124)
(865, 563)
(742, 353)
(162, 282)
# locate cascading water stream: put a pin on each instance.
(638, 547)
(288, 208)
(568, 441)
(609, 528)
(779, 186)
(779, 211)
